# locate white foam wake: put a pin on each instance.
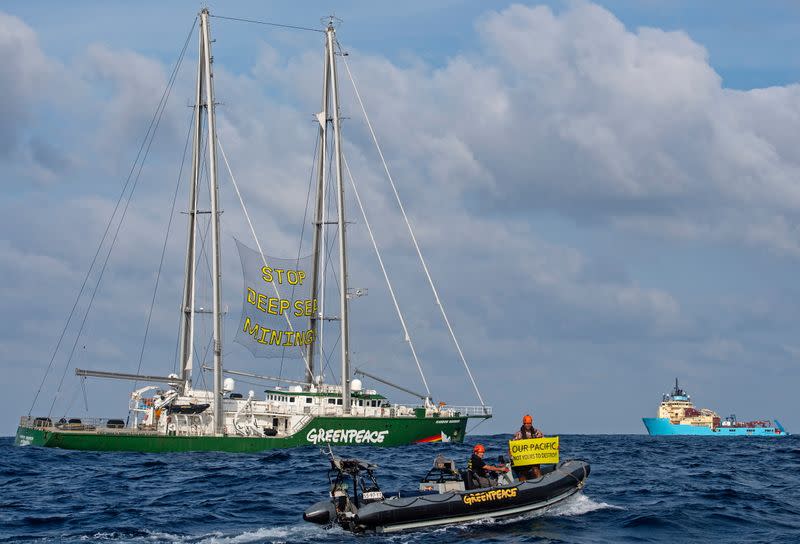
(290, 533)
(577, 505)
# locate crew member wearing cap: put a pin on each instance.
(480, 469)
(528, 431)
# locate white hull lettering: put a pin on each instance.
(347, 436)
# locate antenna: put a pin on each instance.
(331, 21)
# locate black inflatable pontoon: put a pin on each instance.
(445, 496)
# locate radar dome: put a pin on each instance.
(228, 385)
(355, 385)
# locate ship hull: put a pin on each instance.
(337, 431)
(663, 427)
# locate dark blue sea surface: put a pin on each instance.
(641, 489)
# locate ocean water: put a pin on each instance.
(641, 489)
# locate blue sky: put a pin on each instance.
(606, 192)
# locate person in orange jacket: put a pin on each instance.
(528, 431)
(480, 469)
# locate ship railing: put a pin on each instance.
(393, 410)
(467, 410)
(74, 424)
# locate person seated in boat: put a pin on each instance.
(479, 469)
(528, 431)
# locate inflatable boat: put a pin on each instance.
(445, 496)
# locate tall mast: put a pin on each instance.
(331, 34)
(318, 247)
(213, 189)
(187, 307)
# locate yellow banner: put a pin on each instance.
(534, 451)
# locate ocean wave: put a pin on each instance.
(579, 504)
(640, 487)
(291, 533)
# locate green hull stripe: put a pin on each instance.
(319, 431)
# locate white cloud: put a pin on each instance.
(722, 349)
(577, 114)
(28, 78)
(569, 113)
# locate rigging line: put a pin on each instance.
(330, 266)
(258, 243)
(205, 355)
(105, 233)
(332, 237)
(158, 116)
(85, 398)
(177, 346)
(205, 182)
(328, 241)
(302, 233)
(69, 406)
(328, 365)
(323, 233)
(199, 256)
(481, 422)
(202, 256)
(293, 27)
(202, 375)
(202, 244)
(164, 249)
(240, 380)
(386, 276)
(411, 232)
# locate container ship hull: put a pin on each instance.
(657, 426)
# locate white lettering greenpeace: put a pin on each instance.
(348, 436)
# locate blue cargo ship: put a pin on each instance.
(678, 416)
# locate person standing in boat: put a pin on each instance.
(528, 431)
(480, 469)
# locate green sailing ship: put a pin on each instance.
(177, 416)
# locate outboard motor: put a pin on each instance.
(344, 502)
